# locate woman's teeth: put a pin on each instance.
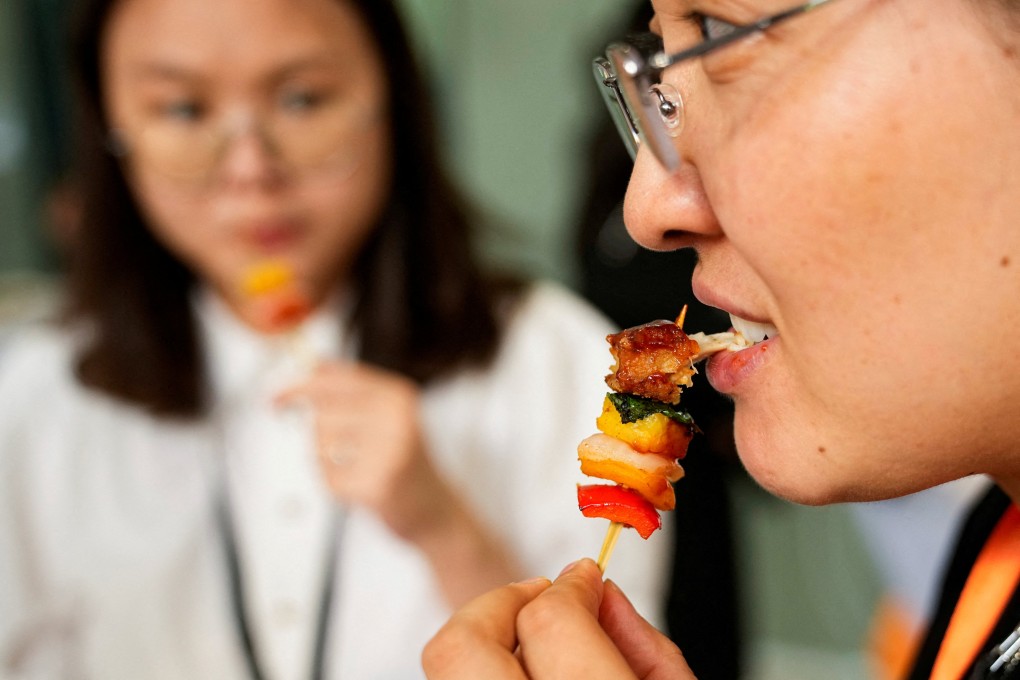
(752, 330)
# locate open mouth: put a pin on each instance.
(745, 335)
(753, 331)
(748, 350)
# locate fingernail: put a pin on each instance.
(612, 584)
(531, 581)
(570, 567)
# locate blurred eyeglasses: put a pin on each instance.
(650, 112)
(303, 134)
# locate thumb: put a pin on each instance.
(649, 653)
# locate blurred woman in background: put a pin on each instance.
(163, 510)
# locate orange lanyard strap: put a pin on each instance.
(989, 588)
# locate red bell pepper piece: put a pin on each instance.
(619, 504)
(282, 310)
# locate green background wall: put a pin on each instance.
(515, 82)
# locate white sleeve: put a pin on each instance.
(36, 622)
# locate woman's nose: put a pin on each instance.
(666, 210)
(250, 158)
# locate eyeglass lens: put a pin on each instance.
(318, 134)
(645, 112)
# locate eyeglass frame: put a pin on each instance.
(120, 144)
(635, 123)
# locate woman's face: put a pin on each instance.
(255, 130)
(850, 178)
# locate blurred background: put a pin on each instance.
(523, 126)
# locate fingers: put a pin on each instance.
(559, 633)
(333, 381)
(650, 654)
(370, 445)
(349, 402)
(479, 640)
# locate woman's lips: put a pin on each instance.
(271, 237)
(727, 370)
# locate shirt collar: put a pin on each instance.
(240, 359)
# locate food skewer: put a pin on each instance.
(279, 304)
(643, 432)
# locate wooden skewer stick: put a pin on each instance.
(608, 544)
(299, 347)
(680, 319)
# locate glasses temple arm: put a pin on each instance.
(662, 60)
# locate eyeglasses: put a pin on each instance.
(647, 111)
(308, 135)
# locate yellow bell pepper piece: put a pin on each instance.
(653, 434)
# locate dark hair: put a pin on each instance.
(424, 305)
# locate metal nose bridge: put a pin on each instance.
(240, 123)
(244, 124)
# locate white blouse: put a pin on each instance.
(112, 562)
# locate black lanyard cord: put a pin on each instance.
(237, 598)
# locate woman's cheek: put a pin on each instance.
(182, 219)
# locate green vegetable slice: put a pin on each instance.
(633, 409)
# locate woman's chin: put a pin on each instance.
(807, 478)
(783, 485)
(794, 473)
